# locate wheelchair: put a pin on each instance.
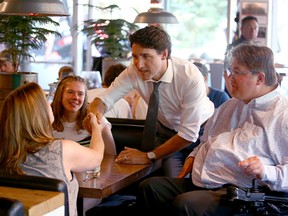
(257, 201)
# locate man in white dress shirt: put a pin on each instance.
(183, 105)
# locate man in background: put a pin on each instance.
(65, 71)
(249, 32)
(217, 96)
(5, 63)
(121, 108)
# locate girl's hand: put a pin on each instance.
(92, 122)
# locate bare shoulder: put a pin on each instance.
(70, 144)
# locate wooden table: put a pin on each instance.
(113, 178)
(36, 202)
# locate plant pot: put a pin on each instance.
(10, 81)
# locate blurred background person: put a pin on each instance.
(215, 95)
(138, 106)
(121, 108)
(249, 33)
(5, 63)
(65, 71)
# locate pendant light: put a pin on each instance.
(155, 14)
(33, 8)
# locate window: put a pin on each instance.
(200, 34)
(56, 52)
(59, 51)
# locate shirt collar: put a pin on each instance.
(267, 98)
(168, 75)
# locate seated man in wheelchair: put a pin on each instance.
(245, 139)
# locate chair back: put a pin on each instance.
(11, 207)
(216, 75)
(36, 183)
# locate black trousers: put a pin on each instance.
(172, 165)
(174, 196)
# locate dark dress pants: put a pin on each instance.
(175, 196)
(172, 165)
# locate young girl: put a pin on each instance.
(28, 147)
(70, 108)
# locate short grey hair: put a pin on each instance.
(256, 59)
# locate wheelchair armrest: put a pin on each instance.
(250, 194)
(276, 196)
(236, 193)
(257, 199)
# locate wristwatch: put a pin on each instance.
(151, 155)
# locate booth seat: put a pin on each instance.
(127, 132)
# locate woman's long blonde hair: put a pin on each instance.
(25, 126)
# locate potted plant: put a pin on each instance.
(110, 36)
(20, 34)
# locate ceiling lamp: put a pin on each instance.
(33, 8)
(155, 15)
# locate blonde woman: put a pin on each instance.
(28, 147)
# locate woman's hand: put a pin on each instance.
(92, 122)
(97, 107)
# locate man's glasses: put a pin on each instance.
(235, 74)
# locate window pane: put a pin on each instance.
(55, 53)
(281, 20)
(201, 29)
